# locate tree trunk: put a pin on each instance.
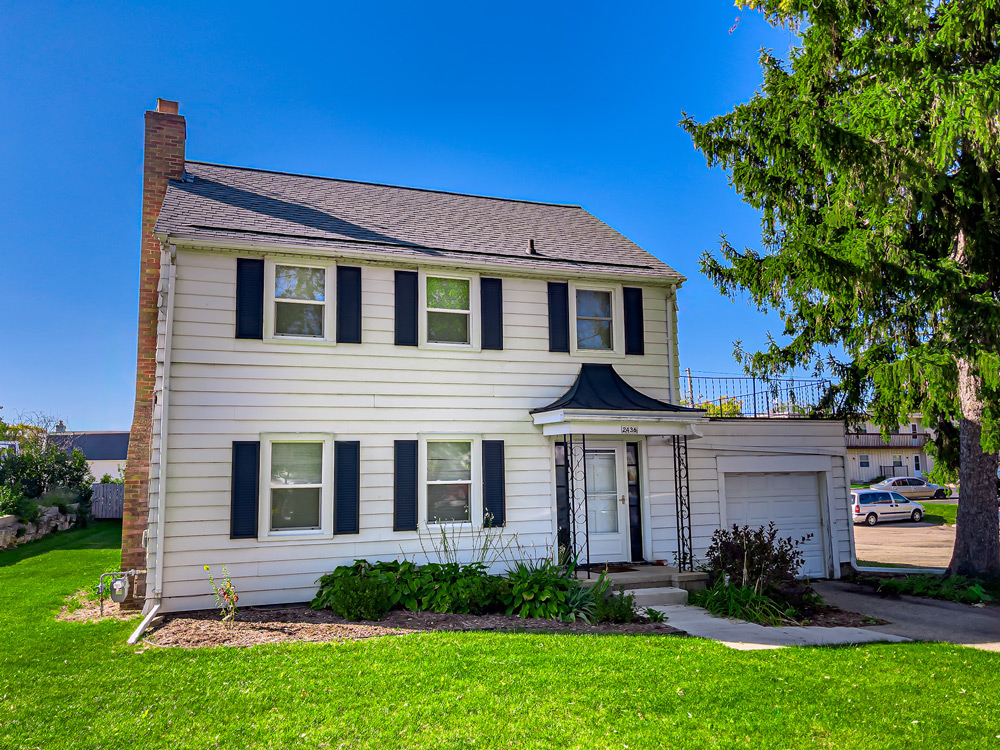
(977, 533)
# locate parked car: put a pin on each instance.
(912, 487)
(872, 506)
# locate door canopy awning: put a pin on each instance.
(600, 402)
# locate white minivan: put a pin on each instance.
(872, 506)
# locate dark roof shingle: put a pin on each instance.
(236, 204)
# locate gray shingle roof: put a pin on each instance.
(235, 204)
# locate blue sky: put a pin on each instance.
(553, 101)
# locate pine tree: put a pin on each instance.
(873, 156)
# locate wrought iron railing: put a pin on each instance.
(741, 397)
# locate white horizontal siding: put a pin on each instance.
(223, 389)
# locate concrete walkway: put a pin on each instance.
(915, 617)
(748, 636)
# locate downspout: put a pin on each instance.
(673, 369)
(161, 492)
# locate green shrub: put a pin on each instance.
(539, 588)
(9, 496)
(356, 597)
(754, 557)
(952, 588)
(38, 469)
(435, 587)
(744, 602)
(27, 510)
(618, 607)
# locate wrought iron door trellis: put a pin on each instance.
(576, 491)
(682, 495)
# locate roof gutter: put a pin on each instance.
(374, 258)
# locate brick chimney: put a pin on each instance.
(163, 160)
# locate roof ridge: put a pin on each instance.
(388, 185)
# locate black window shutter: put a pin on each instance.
(494, 490)
(634, 330)
(406, 308)
(346, 486)
(405, 486)
(245, 494)
(491, 308)
(249, 298)
(558, 316)
(348, 305)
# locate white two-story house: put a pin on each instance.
(328, 369)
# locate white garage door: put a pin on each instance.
(790, 500)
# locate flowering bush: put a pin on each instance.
(225, 596)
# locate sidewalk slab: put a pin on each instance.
(748, 636)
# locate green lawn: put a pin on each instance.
(940, 512)
(80, 686)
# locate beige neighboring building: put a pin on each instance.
(901, 454)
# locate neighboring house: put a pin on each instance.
(106, 451)
(328, 369)
(900, 454)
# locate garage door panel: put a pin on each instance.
(791, 500)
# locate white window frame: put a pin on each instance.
(329, 302)
(617, 320)
(475, 338)
(325, 531)
(900, 465)
(865, 461)
(476, 489)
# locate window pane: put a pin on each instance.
(449, 461)
(448, 294)
(295, 508)
(293, 319)
(591, 304)
(448, 328)
(448, 502)
(593, 334)
(295, 282)
(296, 463)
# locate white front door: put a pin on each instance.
(607, 503)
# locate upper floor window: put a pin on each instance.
(299, 302)
(594, 319)
(449, 310)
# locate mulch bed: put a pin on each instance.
(834, 617)
(256, 625)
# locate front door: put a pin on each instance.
(607, 503)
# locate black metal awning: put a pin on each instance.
(599, 387)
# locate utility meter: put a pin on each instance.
(119, 587)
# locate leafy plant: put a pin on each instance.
(618, 607)
(9, 497)
(539, 588)
(737, 601)
(952, 588)
(655, 615)
(754, 557)
(225, 596)
(39, 469)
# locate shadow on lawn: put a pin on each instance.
(98, 535)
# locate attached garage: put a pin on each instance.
(793, 500)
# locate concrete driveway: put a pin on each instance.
(922, 545)
(918, 618)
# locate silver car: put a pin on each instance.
(912, 487)
(874, 506)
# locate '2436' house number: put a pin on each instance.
(630, 430)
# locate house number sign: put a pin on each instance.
(630, 430)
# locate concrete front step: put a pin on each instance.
(653, 576)
(661, 596)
